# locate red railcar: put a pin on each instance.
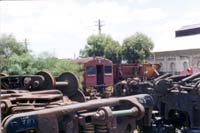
(124, 71)
(98, 72)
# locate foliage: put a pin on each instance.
(20, 64)
(102, 45)
(95, 45)
(16, 59)
(137, 48)
(113, 52)
(28, 64)
(8, 47)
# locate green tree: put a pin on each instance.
(16, 59)
(28, 64)
(21, 64)
(102, 45)
(137, 48)
(8, 47)
(113, 52)
(95, 45)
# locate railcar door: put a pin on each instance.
(100, 75)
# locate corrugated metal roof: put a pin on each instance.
(187, 27)
(188, 30)
(178, 52)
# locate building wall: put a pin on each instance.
(175, 63)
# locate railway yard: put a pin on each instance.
(56, 78)
(44, 103)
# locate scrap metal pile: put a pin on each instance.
(176, 101)
(42, 103)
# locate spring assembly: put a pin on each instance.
(88, 128)
(101, 129)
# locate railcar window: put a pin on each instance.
(91, 70)
(108, 69)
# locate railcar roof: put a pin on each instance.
(88, 59)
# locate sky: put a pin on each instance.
(61, 27)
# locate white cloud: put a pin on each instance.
(21, 8)
(138, 1)
(192, 14)
(152, 14)
(64, 26)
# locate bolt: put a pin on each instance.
(100, 115)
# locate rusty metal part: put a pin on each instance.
(191, 77)
(3, 74)
(121, 89)
(114, 119)
(23, 82)
(148, 116)
(177, 78)
(49, 81)
(32, 118)
(104, 113)
(162, 86)
(3, 85)
(137, 109)
(67, 83)
(26, 108)
(39, 99)
(78, 96)
(196, 80)
(176, 99)
(16, 101)
(197, 87)
(101, 129)
(88, 128)
(47, 92)
(162, 77)
(5, 106)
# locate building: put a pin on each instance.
(176, 61)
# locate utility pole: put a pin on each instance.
(100, 24)
(26, 43)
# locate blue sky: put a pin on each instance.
(62, 27)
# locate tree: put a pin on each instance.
(28, 64)
(113, 52)
(8, 47)
(95, 45)
(102, 45)
(137, 48)
(16, 59)
(21, 64)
